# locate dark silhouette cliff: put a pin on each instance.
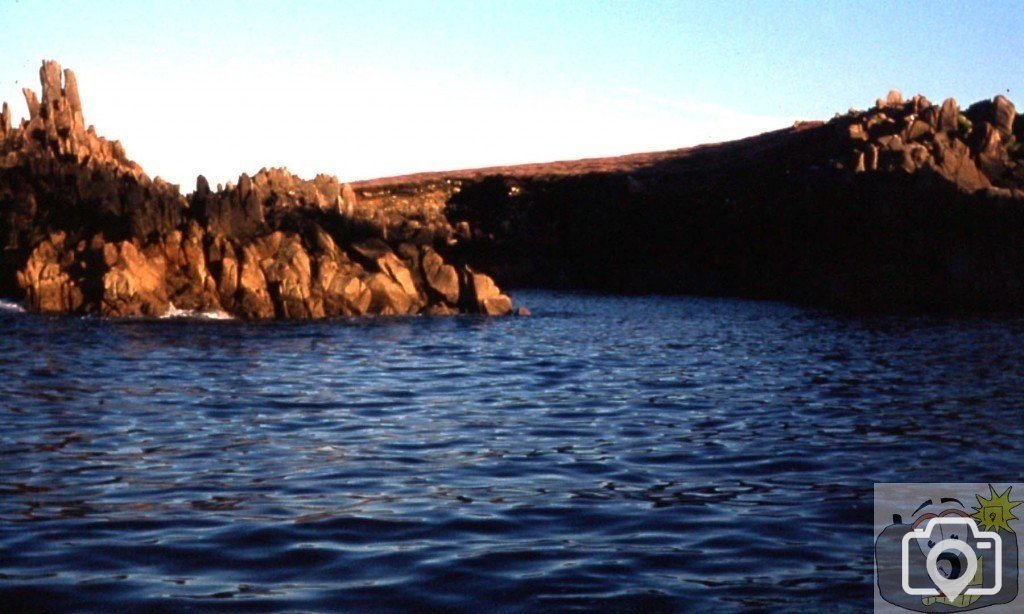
(905, 206)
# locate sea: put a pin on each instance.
(606, 453)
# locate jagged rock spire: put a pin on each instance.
(32, 102)
(60, 89)
(50, 77)
(55, 123)
(71, 94)
(949, 115)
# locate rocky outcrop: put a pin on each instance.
(46, 280)
(84, 230)
(908, 205)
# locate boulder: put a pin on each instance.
(357, 296)
(496, 306)
(394, 268)
(857, 132)
(1003, 115)
(287, 271)
(184, 280)
(987, 146)
(326, 246)
(344, 293)
(252, 297)
(134, 285)
(388, 297)
(917, 130)
(483, 295)
(328, 190)
(949, 116)
(952, 159)
(223, 265)
(48, 287)
(893, 143)
(914, 157)
(441, 279)
(919, 103)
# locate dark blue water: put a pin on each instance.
(607, 453)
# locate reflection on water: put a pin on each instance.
(607, 452)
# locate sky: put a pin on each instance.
(377, 88)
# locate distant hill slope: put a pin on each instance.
(906, 206)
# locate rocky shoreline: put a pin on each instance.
(83, 230)
(909, 206)
(906, 206)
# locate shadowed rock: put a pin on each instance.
(905, 206)
(949, 116)
(442, 279)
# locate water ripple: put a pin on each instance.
(606, 453)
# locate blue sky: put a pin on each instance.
(364, 89)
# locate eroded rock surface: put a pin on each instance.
(84, 230)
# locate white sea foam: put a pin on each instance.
(11, 306)
(194, 314)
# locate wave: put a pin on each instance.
(11, 306)
(195, 314)
(7, 306)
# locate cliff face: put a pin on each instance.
(906, 206)
(84, 230)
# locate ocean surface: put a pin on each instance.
(612, 453)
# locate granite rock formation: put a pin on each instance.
(908, 206)
(84, 230)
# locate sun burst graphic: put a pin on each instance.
(996, 512)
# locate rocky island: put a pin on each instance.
(909, 205)
(83, 230)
